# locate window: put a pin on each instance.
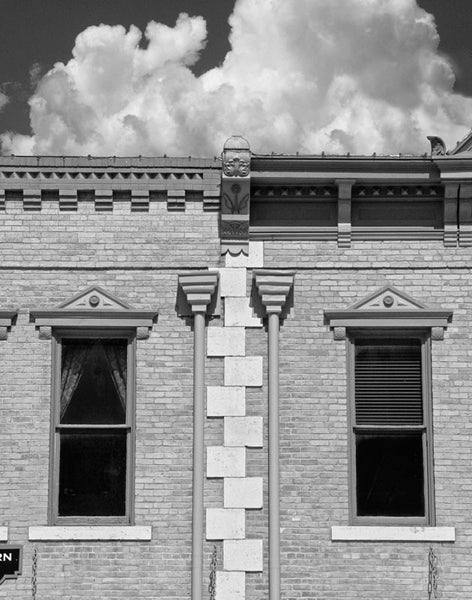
(390, 428)
(93, 429)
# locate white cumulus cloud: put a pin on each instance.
(3, 100)
(302, 75)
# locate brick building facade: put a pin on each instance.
(284, 348)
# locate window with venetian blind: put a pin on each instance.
(391, 450)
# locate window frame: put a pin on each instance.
(424, 335)
(58, 335)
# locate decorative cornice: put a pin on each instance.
(397, 191)
(388, 308)
(273, 288)
(294, 191)
(199, 287)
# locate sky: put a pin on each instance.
(152, 77)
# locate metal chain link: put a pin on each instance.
(432, 575)
(213, 566)
(34, 574)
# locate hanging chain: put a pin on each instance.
(213, 565)
(432, 575)
(34, 574)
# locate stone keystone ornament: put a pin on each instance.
(10, 562)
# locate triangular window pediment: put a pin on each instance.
(94, 298)
(97, 308)
(388, 298)
(388, 308)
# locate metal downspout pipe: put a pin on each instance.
(274, 288)
(198, 287)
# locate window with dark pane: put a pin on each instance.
(389, 428)
(93, 381)
(92, 427)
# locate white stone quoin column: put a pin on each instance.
(273, 288)
(198, 287)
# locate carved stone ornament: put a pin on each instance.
(45, 333)
(94, 307)
(437, 333)
(236, 157)
(388, 308)
(235, 200)
(236, 166)
(234, 229)
(235, 192)
(438, 147)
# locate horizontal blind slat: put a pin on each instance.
(388, 383)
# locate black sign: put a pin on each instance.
(10, 562)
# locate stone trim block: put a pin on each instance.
(225, 524)
(176, 200)
(139, 200)
(91, 533)
(233, 282)
(226, 341)
(243, 431)
(32, 200)
(3, 534)
(68, 201)
(245, 371)
(230, 585)
(226, 462)
(243, 555)
(255, 259)
(238, 313)
(226, 401)
(378, 533)
(243, 492)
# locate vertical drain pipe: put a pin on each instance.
(273, 288)
(274, 475)
(198, 287)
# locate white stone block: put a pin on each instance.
(243, 431)
(238, 313)
(225, 523)
(243, 492)
(233, 282)
(226, 462)
(90, 533)
(384, 533)
(230, 585)
(254, 260)
(245, 371)
(226, 401)
(226, 341)
(243, 555)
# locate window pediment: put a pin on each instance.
(387, 308)
(94, 307)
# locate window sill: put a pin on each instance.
(91, 533)
(3, 534)
(385, 533)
